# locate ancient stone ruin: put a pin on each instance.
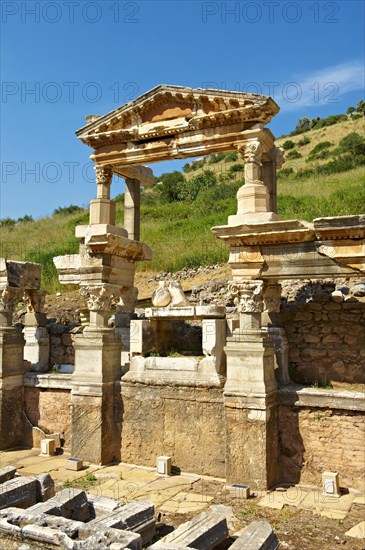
(229, 409)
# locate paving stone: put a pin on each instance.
(278, 499)
(184, 503)
(359, 500)
(203, 532)
(315, 500)
(257, 536)
(332, 514)
(357, 532)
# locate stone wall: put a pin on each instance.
(50, 410)
(313, 440)
(62, 351)
(184, 423)
(326, 340)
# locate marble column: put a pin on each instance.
(36, 349)
(250, 393)
(253, 198)
(102, 209)
(132, 202)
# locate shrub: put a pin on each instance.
(293, 155)
(232, 156)
(169, 186)
(7, 222)
(288, 144)
(65, 210)
(285, 172)
(190, 189)
(25, 219)
(216, 158)
(320, 147)
(353, 143)
(238, 167)
(304, 141)
(356, 117)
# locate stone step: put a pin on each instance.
(257, 536)
(203, 532)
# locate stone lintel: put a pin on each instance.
(48, 380)
(143, 174)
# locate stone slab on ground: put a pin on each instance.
(204, 532)
(257, 536)
(357, 532)
(184, 503)
(314, 500)
(278, 499)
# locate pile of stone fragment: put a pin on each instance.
(31, 512)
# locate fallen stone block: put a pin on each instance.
(68, 503)
(45, 487)
(138, 517)
(257, 536)
(203, 532)
(99, 505)
(6, 473)
(20, 492)
(105, 539)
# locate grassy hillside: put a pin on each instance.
(179, 231)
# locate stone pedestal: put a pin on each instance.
(97, 367)
(36, 349)
(11, 385)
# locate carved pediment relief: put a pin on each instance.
(170, 110)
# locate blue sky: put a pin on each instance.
(62, 60)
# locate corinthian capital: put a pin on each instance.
(248, 296)
(251, 151)
(98, 297)
(104, 174)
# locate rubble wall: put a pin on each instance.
(326, 338)
(313, 440)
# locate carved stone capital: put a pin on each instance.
(279, 156)
(98, 297)
(272, 296)
(35, 300)
(9, 297)
(248, 296)
(127, 300)
(251, 151)
(104, 174)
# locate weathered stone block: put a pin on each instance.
(204, 531)
(6, 473)
(20, 492)
(257, 536)
(68, 503)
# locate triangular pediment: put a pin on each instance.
(169, 110)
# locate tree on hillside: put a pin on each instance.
(169, 185)
(350, 110)
(360, 108)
